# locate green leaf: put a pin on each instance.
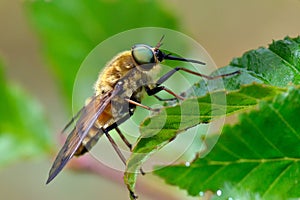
(260, 154)
(274, 65)
(179, 118)
(278, 65)
(23, 129)
(70, 30)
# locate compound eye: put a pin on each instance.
(144, 56)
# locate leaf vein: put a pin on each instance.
(263, 136)
(278, 178)
(286, 61)
(285, 122)
(247, 175)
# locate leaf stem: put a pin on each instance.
(90, 165)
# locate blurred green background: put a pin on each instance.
(35, 62)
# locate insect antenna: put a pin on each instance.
(159, 44)
(163, 56)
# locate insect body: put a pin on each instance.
(118, 90)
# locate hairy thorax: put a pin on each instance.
(116, 69)
(121, 69)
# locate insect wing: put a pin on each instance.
(89, 115)
(72, 120)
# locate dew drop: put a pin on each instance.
(201, 194)
(230, 198)
(219, 192)
(187, 164)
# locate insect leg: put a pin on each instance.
(115, 126)
(170, 73)
(115, 146)
(166, 76)
(141, 105)
(72, 120)
(123, 138)
(132, 194)
(153, 91)
(162, 99)
(117, 123)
